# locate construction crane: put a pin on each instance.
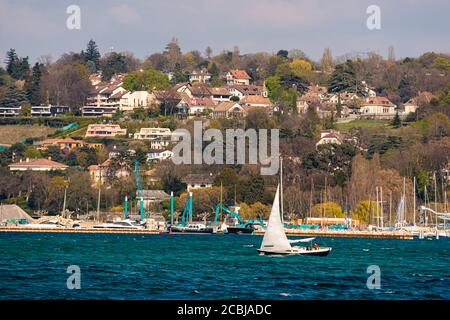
(186, 216)
(241, 222)
(139, 191)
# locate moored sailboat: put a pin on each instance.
(275, 241)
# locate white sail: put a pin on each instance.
(274, 238)
(401, 212)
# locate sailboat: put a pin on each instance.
(275, 241)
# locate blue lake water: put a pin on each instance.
(124, 266)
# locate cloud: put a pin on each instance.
(124, 14)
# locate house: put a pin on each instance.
(198, 181)
(229, 110)
(49, 110)
(377, 107)
(39, 164)
(105, 98)
(101, 172)
(193, 105)
(200, 76)
(64, 143)
(255, 101)
(10, 111)
(104, 130)
(329, 137)
(152, 199)
(237, 77)
(159, 155)
(159, 138)
(413, 104)
(220, 94)
(136, 99)
(247, 90)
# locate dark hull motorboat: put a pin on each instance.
(240, 230)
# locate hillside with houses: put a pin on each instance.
(348, 125)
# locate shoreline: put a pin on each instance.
(342, 234)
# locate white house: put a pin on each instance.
(159, 138)
(136, 99)
(378, 107)
(329, 137)
(159, 155)
(229, 109)
(198, 181)
(202, 76)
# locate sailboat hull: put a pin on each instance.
(298, 251)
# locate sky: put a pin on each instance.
(38, 27)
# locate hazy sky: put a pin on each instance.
(38, 27)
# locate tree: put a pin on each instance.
(33, 86)
(396, 122)
(283, 54)
(11, 62)
(173, 54)
(149, 80)
(208, 52)
(17, 68)
(326, 62)
(328, 210)
(112, 64)
(92, 55)
(13, 98)
(343, 79)
(67, 83)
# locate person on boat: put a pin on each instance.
(316, 246)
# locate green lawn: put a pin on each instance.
(362, 123)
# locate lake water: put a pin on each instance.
(124, 266)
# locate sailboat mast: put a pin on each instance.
(414, 201)
(281, 190)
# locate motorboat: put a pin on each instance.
(120, 224)
(190, 228)
(50, 224)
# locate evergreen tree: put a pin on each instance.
(92, 54)
(33, 86)
(114, 63)
(13, 98)
(343, 79)
(396, 122)
(11, 62)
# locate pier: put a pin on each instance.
(289, 232)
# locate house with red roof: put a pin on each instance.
(377, 107)
(329, 137)
(40, 164)
(238, 77)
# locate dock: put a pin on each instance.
(289, 232)
(77, 230)
(347, 234)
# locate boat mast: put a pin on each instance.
(281, 189)
(414, 201)
(381, 209)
